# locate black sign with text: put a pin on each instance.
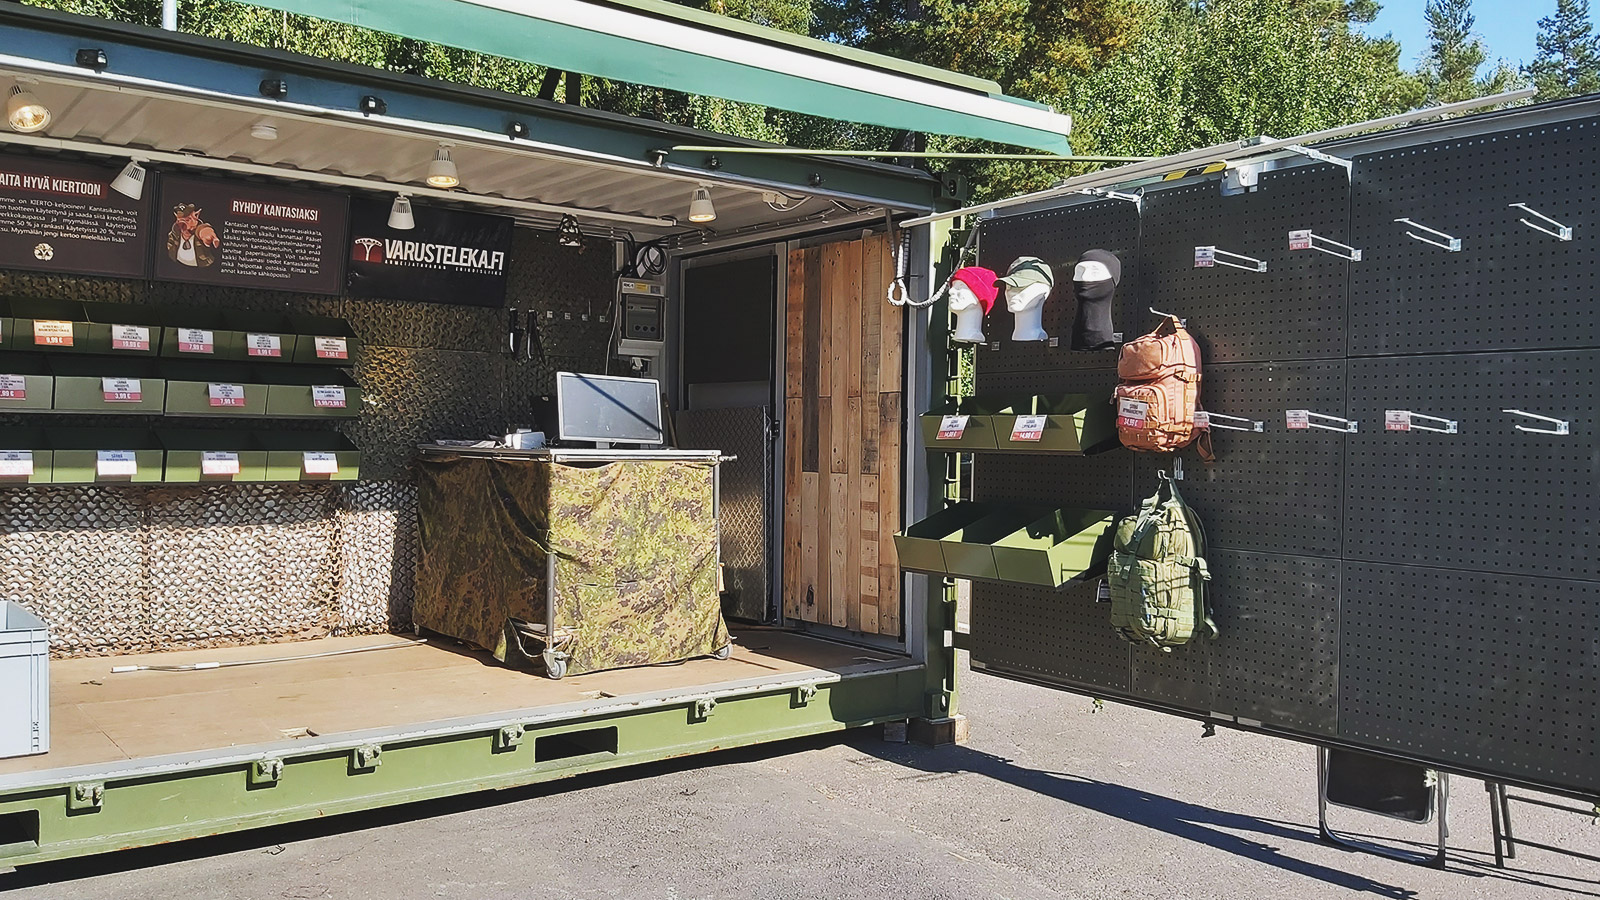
(250, 235)
(64, 217)
(449, 257)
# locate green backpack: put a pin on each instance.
(1158, 573)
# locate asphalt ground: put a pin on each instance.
(1050, 798)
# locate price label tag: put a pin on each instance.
(16, 462)
(1297, 419)
(225, 394)
(1396, 420)
(50, 333)
(1132, 413)
(321, 463)
(1300, 240)
(1202, 419)
(951, 428)
(196, 340)
(122, 390)
(219, 462)
(116, 462)
(1028, 428)
(130, 337)
(1205, 257)
(13, 387)
(263, 345)
(327, 396)
(333, 348)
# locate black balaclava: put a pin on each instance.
(1092, 328)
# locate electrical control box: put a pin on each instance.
(643, 318)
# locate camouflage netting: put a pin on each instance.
(635, 546)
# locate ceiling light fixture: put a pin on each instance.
(130, 181)
(400, 218)
(700, 208)
(442, 171)
(568, 233)
(24, 112)
(264, 131)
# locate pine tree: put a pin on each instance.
(1455, 53)
(1568, 62)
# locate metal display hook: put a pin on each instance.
(1166, 315)
(1562, 232)
(1249, 424)
(1208, 256)
(1561, 425)
(1299, 419)
(1305, 239)
(1453, 244)
(1445, 426)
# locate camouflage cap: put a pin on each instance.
(1026, 270)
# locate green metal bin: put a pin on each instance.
(122, 329)
(194, 456)
(215, 388)
(312, 392)
(105, 455)
(108, 385)
(200, 334)
(323, 340)
(979, 433)
(309, 455)
(25, 382)
(56, 326)
(917, 547)
(25, 457)
(261, 337)
(969, 551)
(1079, 424)
(1054, 549)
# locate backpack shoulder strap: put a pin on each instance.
(1202, 610)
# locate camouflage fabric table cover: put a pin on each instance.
(635, 545)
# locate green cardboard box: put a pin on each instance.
(979, 431)
(199, 334)
(261, 337)
(305, 455)
(106, 385)
(122, 329)
(969, 552)
(215, 389)
(212, 456)
(55, 326)
(917, 547)
(105, 456)
(322, 340)
(1079, 424)
(312, 392)
(25, 382)
(1056, 548)
(25, 457)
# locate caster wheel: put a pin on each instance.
(723, 652)
(554, 668)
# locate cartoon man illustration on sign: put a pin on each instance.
(191, 241)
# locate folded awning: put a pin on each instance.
(664, 45)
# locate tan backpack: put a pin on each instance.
(1160, 392)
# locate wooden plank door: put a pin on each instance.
(842, 434)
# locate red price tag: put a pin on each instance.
(1297, 419)
(1202, 419)
(1132, 413)
(263, 345)
(1205, 257)
(1028, 428)
(1396, 420)
(328, 396)
(1300, 240)
(333, 348)
(225, 394)
(130, 337)
(122, 390)
(951, 428)
(13, 387)
(196, 340)
(50, 333)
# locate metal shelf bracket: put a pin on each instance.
(1453, 244)
(1211, 422)
(1562, 232)
(1136, 199)
(1561, 425)
(1206, 257)
(1319, 156)
(1305, 239)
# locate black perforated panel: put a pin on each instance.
(1294, 310)
(1183, 678)
(1061, 637)
(1490, 672)
(1510, 286)
(1277, 491)
(1489, 498)
(1059, 237)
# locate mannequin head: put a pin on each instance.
(1094, 284)
(1028, 284)
(971, 295)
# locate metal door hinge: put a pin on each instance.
(704, 707)
(366, 757)
(509, 737)
(804, 694)
(266, 771)
(87, 795)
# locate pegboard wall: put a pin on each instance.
(1435, 596)
(132, 568)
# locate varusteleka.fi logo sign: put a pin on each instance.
(423, 255)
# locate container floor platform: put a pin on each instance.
(98, 717)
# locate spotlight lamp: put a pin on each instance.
(274, 88)
(130, 181)
(24, 111)
(516, 129)
(90, 58)
(373, 105)
(400, 217)
(442, 172)
(568, 233)
(701, 209)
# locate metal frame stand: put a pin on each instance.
(1505, 842)
(1441, 813)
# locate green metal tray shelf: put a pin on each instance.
(1015, 545)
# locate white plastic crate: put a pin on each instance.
(24, 682)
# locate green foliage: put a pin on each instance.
(1568, 62)
(1455, 54)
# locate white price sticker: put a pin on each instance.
(225, 394)
(1300, 240)
(321, 463)
(951, 428)
(1202, 419)
(13, 387)
(51, 333)
(196, 340)
(130, 337)
(1396, 420)
(116, 462)
(263, 345)
(1205, 257)
(333, 348)
(1132, 413)
(1028, 428)
(1297, 419)
(219, 462)
(16, 463)
(122, 390)
(328, 396)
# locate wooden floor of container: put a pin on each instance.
(98, 717)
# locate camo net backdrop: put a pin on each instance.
(119, 569)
